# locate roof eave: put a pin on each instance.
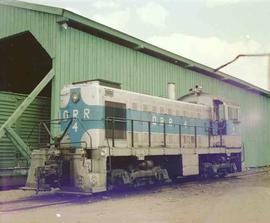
(148, 48)
(84, 23)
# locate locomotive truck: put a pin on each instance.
(112, 137)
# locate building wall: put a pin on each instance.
(43, 26)
(84, 57)
(12, 21)
(27, 126)
(80, 56)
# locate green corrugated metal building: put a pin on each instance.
(44, 48)
(26, 126)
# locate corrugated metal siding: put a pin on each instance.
(42, 25)
(80, 56)
(7, 151)
(84, 57)
(26, 126)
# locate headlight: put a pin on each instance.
(75, 97)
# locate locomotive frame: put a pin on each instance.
(128, 142)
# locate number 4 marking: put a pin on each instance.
(75, 127)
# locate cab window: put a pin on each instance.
(117, 112)
(219, 110)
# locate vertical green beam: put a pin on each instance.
(23, 106)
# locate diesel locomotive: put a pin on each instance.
(112, 137)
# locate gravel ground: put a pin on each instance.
(234, 199)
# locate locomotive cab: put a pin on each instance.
(224, 132)
(224, 118)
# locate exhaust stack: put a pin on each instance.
(171, 91)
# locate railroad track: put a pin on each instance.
(54, 199)
(33, 202)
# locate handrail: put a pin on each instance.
(59, 138)
(125, 120)
(114, 120)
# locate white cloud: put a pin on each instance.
(153, 13)
(217, 3)
(220, 3)
(101, 4)
(214, 52)
(117, 19)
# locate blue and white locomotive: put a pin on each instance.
(114, 137)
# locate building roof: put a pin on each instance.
(89, 26)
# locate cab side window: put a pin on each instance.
(221, 112)
(116, 111)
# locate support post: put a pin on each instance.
(195, 135)
(132, 133)
(164, 134)
(180, 136)
(149, 134)
(209, 138)
(113, 126)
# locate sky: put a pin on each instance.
(211, 32)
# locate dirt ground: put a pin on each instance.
(234, 199)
